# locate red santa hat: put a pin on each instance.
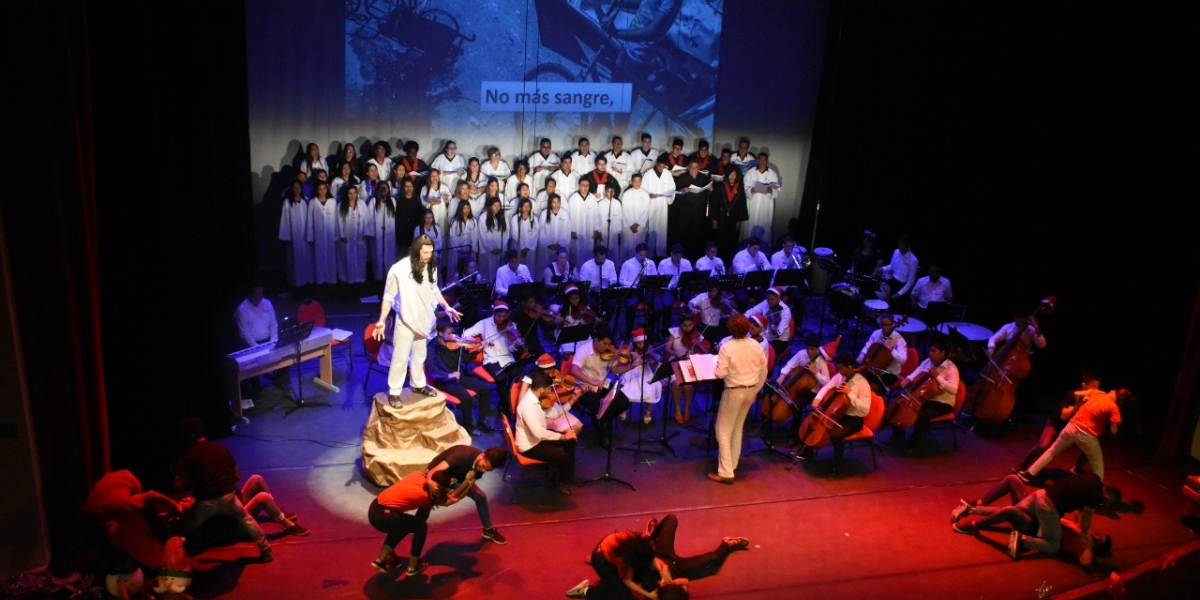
(778, 291)
(830, 349)
(545, 361)
(639, 335)
(761, 320)
(499, 305)
(571, 289)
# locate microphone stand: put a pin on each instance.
(664, 439)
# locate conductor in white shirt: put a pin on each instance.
(743, 366)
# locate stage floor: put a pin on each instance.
(868, 533)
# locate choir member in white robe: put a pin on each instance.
(582, 207)
(383, 230)
(566, 179)
(542, 200)
(462, 235)
(512, 185)
(495, 166)
(493, 238)
(620, 162)
(452, 164)
(435, 196)
(381, 158)
(583, 160)
(475, 179)
(322, 234)
(743, 158)
(644, 156)
(761, 205)
(609, 221)
(313, 161)
(353, 224)
(635, 214)
(555, 230)
(366, 189)
(542, 163)
(293, 229)
(431, 228)
(492, 191)
(345, 176)
(660, 186)
(524, 229)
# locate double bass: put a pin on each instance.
(992, 396)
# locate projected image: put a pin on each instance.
(549, 68)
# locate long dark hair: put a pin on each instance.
(344, 201)
(414, 257)
(532, 217)
(494, 222)
(385, 198)
(458, 216)
(549, 202)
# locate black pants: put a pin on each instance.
(690, 567)
(929, 410)
(458, 388)
(397, 525)
(503, 390)
(560, 453)
(849, 426)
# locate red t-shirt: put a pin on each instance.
(407, 494)
(1094, 415)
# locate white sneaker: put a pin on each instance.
(579, 591)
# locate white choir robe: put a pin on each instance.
(489, 240)
(435, 234)
(450, 168)
(383, 227)
(477, 184)
(555, 231)
(523, 235)
(568, 183)
(478, 202)
(582, 164)
(620, 166)
(510, 192)
(608, 223)
(745, 163)
(500, 171)
(352, 228)
(383, 168)
(542, 201)
(322, 234)
(443, 211)
(639, 162)
(656, 230)
(760, 206)
(463, 234)
(308, 170)
(293, 229)
(635, 384)
(583, 222)
(547, 163)
(635, 208)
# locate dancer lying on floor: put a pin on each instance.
(634, 564)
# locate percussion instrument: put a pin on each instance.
(819, 281)
(912, 330)
(843, 300)
(874, 308)
(971, 331)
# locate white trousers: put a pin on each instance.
(731, 416)
(406, 344)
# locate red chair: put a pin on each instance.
(871, 423)
(949, 418)
(312, 311)
(525, 463)
(911, 362)
(372, 347)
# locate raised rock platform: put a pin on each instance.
(397, 442)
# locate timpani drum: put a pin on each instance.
(912, 330)
(844, 300)
(874, 308)
(976, 335)
(819, 281)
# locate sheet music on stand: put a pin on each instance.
(294, 334)
(699, 368)
(692, 280)
(786, 278)
(470, 294)
(730, 281)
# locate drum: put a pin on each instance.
(976, 335)
(819, 281)
(874, 308)
(844, 300)
(912, 330)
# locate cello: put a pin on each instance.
(920, 389)
(992, 396)
(779, 403)
(816, 428)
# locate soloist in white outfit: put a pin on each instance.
(414, 303)
(293, 229)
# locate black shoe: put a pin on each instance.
(833, 472)
(427, 391)
(395, 402)
(1025, 477)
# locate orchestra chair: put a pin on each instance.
(866, 435)
(911, 363)
(948, 419)
(523, 462)
(372, 346)
(311, 310)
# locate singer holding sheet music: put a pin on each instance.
(412, 292)
(742, 365)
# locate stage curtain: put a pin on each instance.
(1185, 401)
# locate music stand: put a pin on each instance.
(520, 291)
(758, 279)
(573, 335)
(866, 284)
(662, 372)
(583, 285)
(604, 419)
(693, 280)
(768, 426)
(787, 278)
(710, 430)
(936, 313)
(293, 336)
(469, 296)
(729, 282)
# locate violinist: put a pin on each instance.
(940, 369)
(574, 312)
(512, 272)
(1024, 325)
(595, 359)
(855, 387)
(531, 319)
(566, 392)
(450, 363)
(778, 330)
(499, 338)
(635, 383)
(743, 367)
(712, 309)
(890, 341)
(682, 341)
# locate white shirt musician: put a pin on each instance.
(750, 259)
(789, 256)
(859, 393)
(1024, 325)
(932, 288)
(497, 349)
(513, 272)
(711, 307)
(634, 268)
(710, 261)
(812, 359)
(892, 341)
(779, 317)
(601, 271)
(256, 319)
(902, 269)
(674, 265)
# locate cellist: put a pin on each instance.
(945, 372)
(1024, 325)
(893, 343)
(814, 358)
(849, 382)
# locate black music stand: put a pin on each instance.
(573, 335)
(517, 293)
(693, 280)
(652, 284)
(758, 279)
(662, 372)
(605, 420)
(866, 284)
(767, 428)
(469, 296)
(787, 278)
(294, 336)
(583, 285)
(729, 282)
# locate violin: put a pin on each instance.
(695, 343)
(991, 397)
(459, 343)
